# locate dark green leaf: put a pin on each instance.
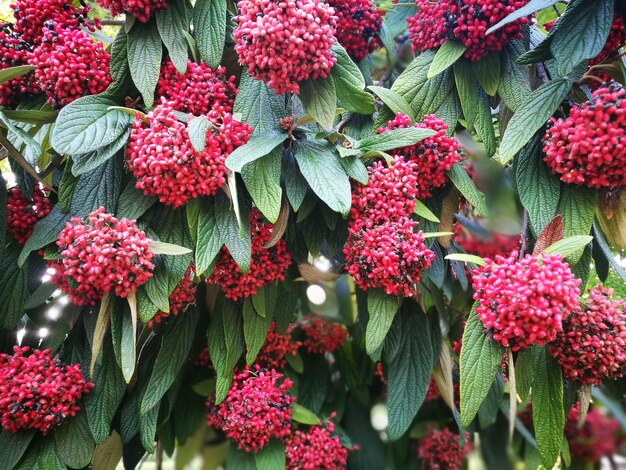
(395, 102)
(31, 116)
(209, 19)
(46, 231)
(382, 309)
(487, 71)
(74, 442)
(468, 189)
(173, 23)
(255, 328)
(66, 187)
(258, 146)
(41, 294)
(14, 72)
(320, 100)
(262, 179)
(84, 163)
(133, 203)
(514, 84)
(295, 184)
(14, 288)
(489, 408)
(526, 10)
(13, 446)
(393, 139)
(259, 106)
(355, 168)
(577, 205)
(525, 371)
(233, 335)
(120, 72)
(349, 83)
(208, 236)
(271, 456)
(449, 52)
(99, 188)
(237, 241)
(144, 58)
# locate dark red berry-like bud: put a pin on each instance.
(23, 212)
(273, 354)
(322, 336)
(315, 448)
(14, 52)
(140, 9)
(439, 449)
(597, 438)
(358, 25)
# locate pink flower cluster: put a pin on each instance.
(13, 52)
(466, 21)
(382, 250)
(181, 297)
(524, 302)
(433, 156)
(358, 25)
(322, 336)
(267, 264)
(315, 448)
(160, 155)
(286, 41)
(588, 147)
(140, 9)
(273, 354)
(199, 91)
(592, 346)
(69, 65)
(37, 391)
(257, 408)
(440, 449)
(597, 437)
(24, 212)
(103, 254)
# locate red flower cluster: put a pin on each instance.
(257, 408)
(24, 212)
(589, 146)
(37, 391)
(382, 250)
(165, 163)
(316, 448)
(32, 17)
(199, 91)
(267, 264)
(70, 65)
(440, 449)
(592, 347)
(358, 25)
(140, 9)
(13, 52)
(597, 437)
(524, 302)
(80, 294)
(104, 254)
(486, 246)
(181, 297)
(284, 42)
(322, 336)
(433, 156)
(273, 354)
(466, 21)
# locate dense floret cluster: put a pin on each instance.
(105, 254)
(70, 65)
(466, 21)
(596, 438)
(358, 25)
(588, 147)
(199, 91)
(140, 9)
(257, 408)
(24, 212)
(322, 336)
(267, 264)
(160, 155)
(484, 243)
(79, 294)
(181, 297)
(284, 42)
(433, 156)
(14, 52)
(592, 346)
(315, 448)
(273, 354)
(525, 302)
(439, 449)
(383, 251)
(37, 391)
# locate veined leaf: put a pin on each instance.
(395, 102)
(468, 189)
(449, 52)
(144, 58)
(163, 248)
(393, 139)
(466, 258)
(303, 415)
(319, 97)
(570, 246)
(209, 19)
(14, 72)
(258, 146)
(382, 309)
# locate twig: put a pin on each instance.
(524, 236)
(343, 122)
(21, 161)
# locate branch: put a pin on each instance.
(21, 161)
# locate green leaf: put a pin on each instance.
(300, 414)
(295, 185)
(258, 105)
(577, 205)
(355, 168)
(237, 241)
(526, 10)
(258, 146)
(525, 371)
(163, 248)
(204, 388)
(271, 456)
(172, 24)
(487, 71)
(40, 295)
(532, 115)
(233, 335)
(569, 246)
(466, 258)
(31, 116)
(449, 52)
(349, 83)
(41, 456)
(120, 72)
(393, 139)
(538, 188)
(74, 443)
(133, 203)
(175, 347)
(395, 102)
(514, 84)
(14, 288)
(320, 100)
(145, 51)
(46, 231)
(262, 180)
(13, 446)
(208, 236)
(14, 72)
(209, 19)
(480, 359)
(410, 366)
(382, 309)
(424, 212)
(99, 188)
(547, 404)
(582, 33)
(197, 129)
(468, 189)
(128, 343)
(87, 124)
(255, 328)
(321, 168)
(84, 163)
